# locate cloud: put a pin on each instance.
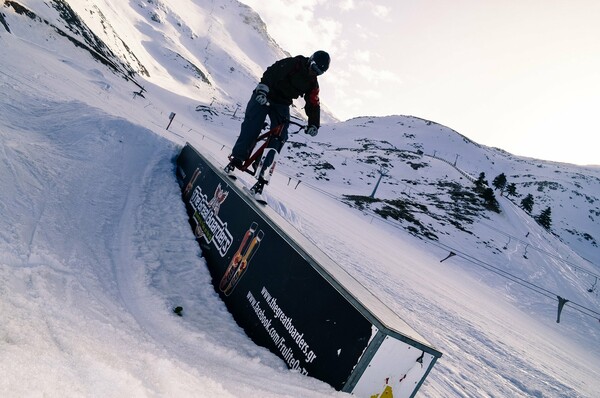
(347, 5)
(381, 11)
(297, 24)
(364, 33)
(363, 56)
(374, 74)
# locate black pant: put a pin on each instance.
(254, 120)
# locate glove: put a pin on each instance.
(261, 93)
(312, 130)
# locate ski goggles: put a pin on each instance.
(315, 68)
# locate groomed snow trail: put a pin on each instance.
(98, 252)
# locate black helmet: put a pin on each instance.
(319, 62)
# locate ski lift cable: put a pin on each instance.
(515, 279)
(540, 250)
(496, 270)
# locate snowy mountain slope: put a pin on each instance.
(96, 249)
(420, 153)
(155, 40)
(431, 197)
(206, 50)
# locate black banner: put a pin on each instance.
(273, 292)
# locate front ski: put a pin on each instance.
(258, 198)
(229, 170)
(257, 191)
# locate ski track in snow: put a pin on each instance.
(88, 290)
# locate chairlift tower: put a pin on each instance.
(383, 171)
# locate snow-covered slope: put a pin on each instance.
(95, 249)
(424, 159)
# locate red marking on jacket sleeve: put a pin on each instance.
(313, 97)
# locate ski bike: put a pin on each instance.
(261, 162)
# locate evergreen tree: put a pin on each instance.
(544, 218)
(481, 183)
(490, 200)
(500, 182)
(527, 203)
(511, 189)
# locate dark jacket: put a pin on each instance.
(288, 79)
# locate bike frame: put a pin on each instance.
(267, 137)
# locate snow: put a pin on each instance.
(96, 250)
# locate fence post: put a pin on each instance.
(171, 117)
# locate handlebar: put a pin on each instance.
(289, 121)
(302, 126)
(297, 124)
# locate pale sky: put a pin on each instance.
(520, 75)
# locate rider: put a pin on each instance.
(282, 82)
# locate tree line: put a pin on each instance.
(500, 182)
